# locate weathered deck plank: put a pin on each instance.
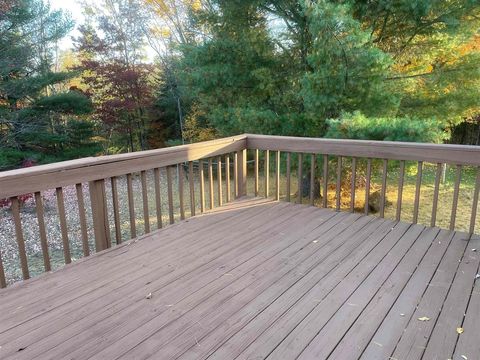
(257, 279)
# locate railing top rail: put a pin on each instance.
(434, 153)
(43, 177)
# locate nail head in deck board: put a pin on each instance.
(131, 207)
(180, 191)
(325, 181)
(339, 183)
(288, 176)
(202, 186)
(266, 168)
(435, 194)
(191, 182)
(171, 214)
(146, 215)
(300, 178)
(63, 223)
(312, 178)
(367, 185)
(418, 186)
(116, 209)
(353, 184)
(42, 231)
(401, 178)
(158, 197)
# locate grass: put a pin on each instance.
(9, 248)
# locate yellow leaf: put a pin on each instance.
(423, 318)
(459, 330)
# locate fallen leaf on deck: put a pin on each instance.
(459, 330)
(464, 357)
(315, 241)
(149, 296)
(477, 276)
(424, 318)
(402, 314)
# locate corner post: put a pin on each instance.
(100, 216)
(242, 173)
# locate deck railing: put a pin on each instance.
(336, 165)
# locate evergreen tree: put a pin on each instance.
(34, 115)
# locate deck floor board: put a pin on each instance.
(257, 279)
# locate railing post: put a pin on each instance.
(242, 173)
(100, 216)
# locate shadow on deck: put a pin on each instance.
(257, 279)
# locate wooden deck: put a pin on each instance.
(257, 279)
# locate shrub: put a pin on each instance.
(358, 126)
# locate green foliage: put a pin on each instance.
(347, 69)
(358, 126)
(36, 114)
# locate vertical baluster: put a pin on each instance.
(438, 176)
(384, 188)
(210, 182)
(367, 185)
(325, 181)
(202, 186)
(171, 215)
(146, 214)
(475, 202)
(339, 183)
(277, 175)
(267, 172)
(256, 171)
(456, 191)
(180, 191)
(3, 280)
(353, 187)
(19, 235)
(131, 206)
(63, 225)
(235, 174)
(312, 179)
(158, 197)
(192, 188)
(400, 190)
(299, 173)
(418, 186)
(227, 176)
(42, 231)
(116, 210)
(288, 175)
(219, 181)
(242, 172)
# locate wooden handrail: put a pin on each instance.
(392, 150)
(44, 177)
